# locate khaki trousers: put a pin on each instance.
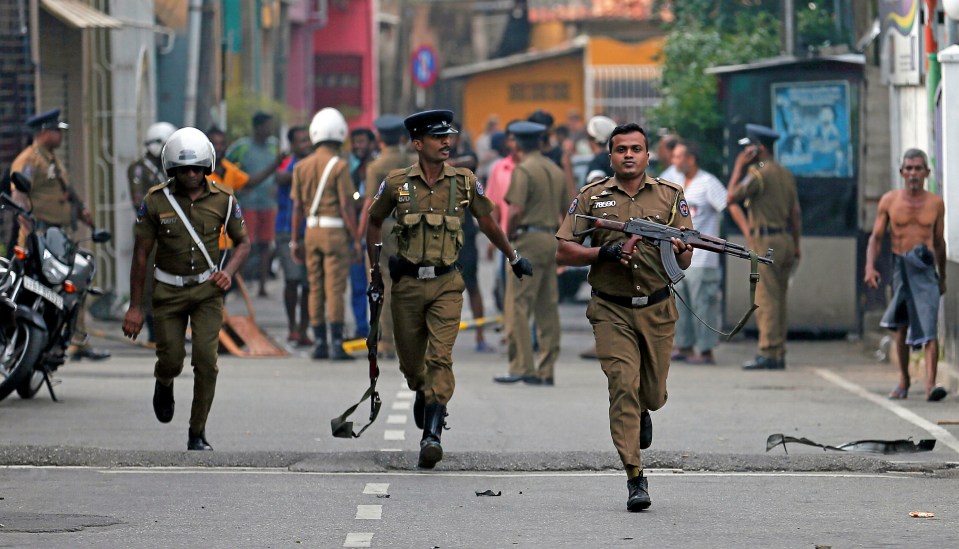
(202, 306)
(328, 256)
(771, 294)
(633, 347)
(426, 320)
(390, 248)
(534, 296)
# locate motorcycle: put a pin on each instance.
(42, 290)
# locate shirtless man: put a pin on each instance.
(915, 220)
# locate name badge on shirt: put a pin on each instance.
(604, 204)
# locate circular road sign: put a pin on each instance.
(424, 66)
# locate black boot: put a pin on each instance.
(645, 430)
(321, 350)
(163, 404)
(336, 343)
(419, 409)
(198, 442)
(638, 494)
(431, 452)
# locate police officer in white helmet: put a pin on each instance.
(322, 193)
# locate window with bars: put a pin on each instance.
(625, 93)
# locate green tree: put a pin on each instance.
(704, 34)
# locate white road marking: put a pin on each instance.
(394, 419)
(463, 474)
(401, 405)
(390, 434)
(377, 488)
(406, 394)
(358, 540)
(369, 512)
(391, 449)
(942, 435)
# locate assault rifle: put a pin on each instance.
(661, 235)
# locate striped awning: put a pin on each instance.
(80, 15)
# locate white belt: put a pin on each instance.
(324, 222)
(184, 280)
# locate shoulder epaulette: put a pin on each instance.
(593, 183)
(662, 181)
(398, 175)
(159, 187)
(221, 187)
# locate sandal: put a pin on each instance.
(899, 393)
(937, 393)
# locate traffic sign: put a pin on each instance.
(424, 66)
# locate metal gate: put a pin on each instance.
(624, 93)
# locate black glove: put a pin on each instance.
(611, 253)
(521, 266)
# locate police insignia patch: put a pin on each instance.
(237, 213)
(381, 189)
(479, 188)
(142, 210)
(684, 208)
(572, 205)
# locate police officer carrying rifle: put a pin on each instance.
(429, 199)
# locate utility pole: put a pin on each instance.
(789, 27)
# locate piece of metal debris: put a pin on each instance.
(489, 493)
(860, 446)
(921, 514)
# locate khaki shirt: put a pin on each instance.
(539, 187)
(391, 158)
(656, 200)
(395, 194)
(50, 191)
(770, 195)
(306, 180)
(142, 175)
(176, 251)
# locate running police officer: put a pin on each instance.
(322, 188)
(393, 156)
(537, 201)
(430, 198)
(184, 217)
(55, 203)
(632, 310)
(775, 221)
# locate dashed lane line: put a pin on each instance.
(401, 405)
(369, 512)
(396, 419)
(394, 434)
(942, 435)
(377, 488)
(354, 539)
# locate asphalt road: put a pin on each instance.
(97, 470)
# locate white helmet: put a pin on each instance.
(599, 128)
(157, 134)
(328, 125)
(188, 147)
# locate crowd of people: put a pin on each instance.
(417, 186)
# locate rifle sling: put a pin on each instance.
(753, 279)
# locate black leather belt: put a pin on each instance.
(766, 231)
(635, 302)
(400, 268)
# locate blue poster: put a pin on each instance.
(813, 123)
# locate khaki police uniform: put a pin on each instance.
(391, 157)
(327, 241)
(143, 175)
(183, 291)
(427, 286)
(539, 187)
(632, 311)
(52, 200)
(770, 196)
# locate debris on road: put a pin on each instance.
(921, 514)
(489, 493)
(863, 446)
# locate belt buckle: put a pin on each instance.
(426, 273)
(640, 301)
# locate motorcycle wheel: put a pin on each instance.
(30, 386)
(19, 356)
